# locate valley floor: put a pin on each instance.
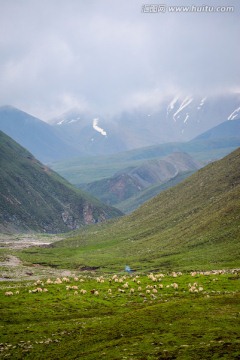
(13, 269)
(121, 316)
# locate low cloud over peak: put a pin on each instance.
(57, 55)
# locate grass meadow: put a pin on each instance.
(122, 316)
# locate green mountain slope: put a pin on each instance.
(32, 197)
(132, 181)
(131, 204)
(194, 225)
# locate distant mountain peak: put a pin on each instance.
(177, 118)
(37, 136)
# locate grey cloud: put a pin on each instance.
(94, 54)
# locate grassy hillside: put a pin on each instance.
(136, 201)
(32, 197)
(194, 225)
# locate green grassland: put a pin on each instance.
(194, 225)
(183, 247)
(158, 316)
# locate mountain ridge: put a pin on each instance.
(34, 134)
(175, 119)
(35, 198)
(131, 181)
(89, 169)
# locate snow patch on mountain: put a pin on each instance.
(201, 103)
(97, 128)
(172, 104)
(234, 114)
(186, 118)
(187, 101)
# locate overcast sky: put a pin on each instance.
(108, 55)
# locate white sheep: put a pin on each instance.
(38, 282)
(74, 287)
(35, 290)
(149, 287)
(58, 281)
(8, 293)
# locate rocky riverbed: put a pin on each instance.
(13, 269)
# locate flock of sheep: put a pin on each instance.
(150, 285)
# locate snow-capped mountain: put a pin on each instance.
(177, 118)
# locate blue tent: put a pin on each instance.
(128, 269)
